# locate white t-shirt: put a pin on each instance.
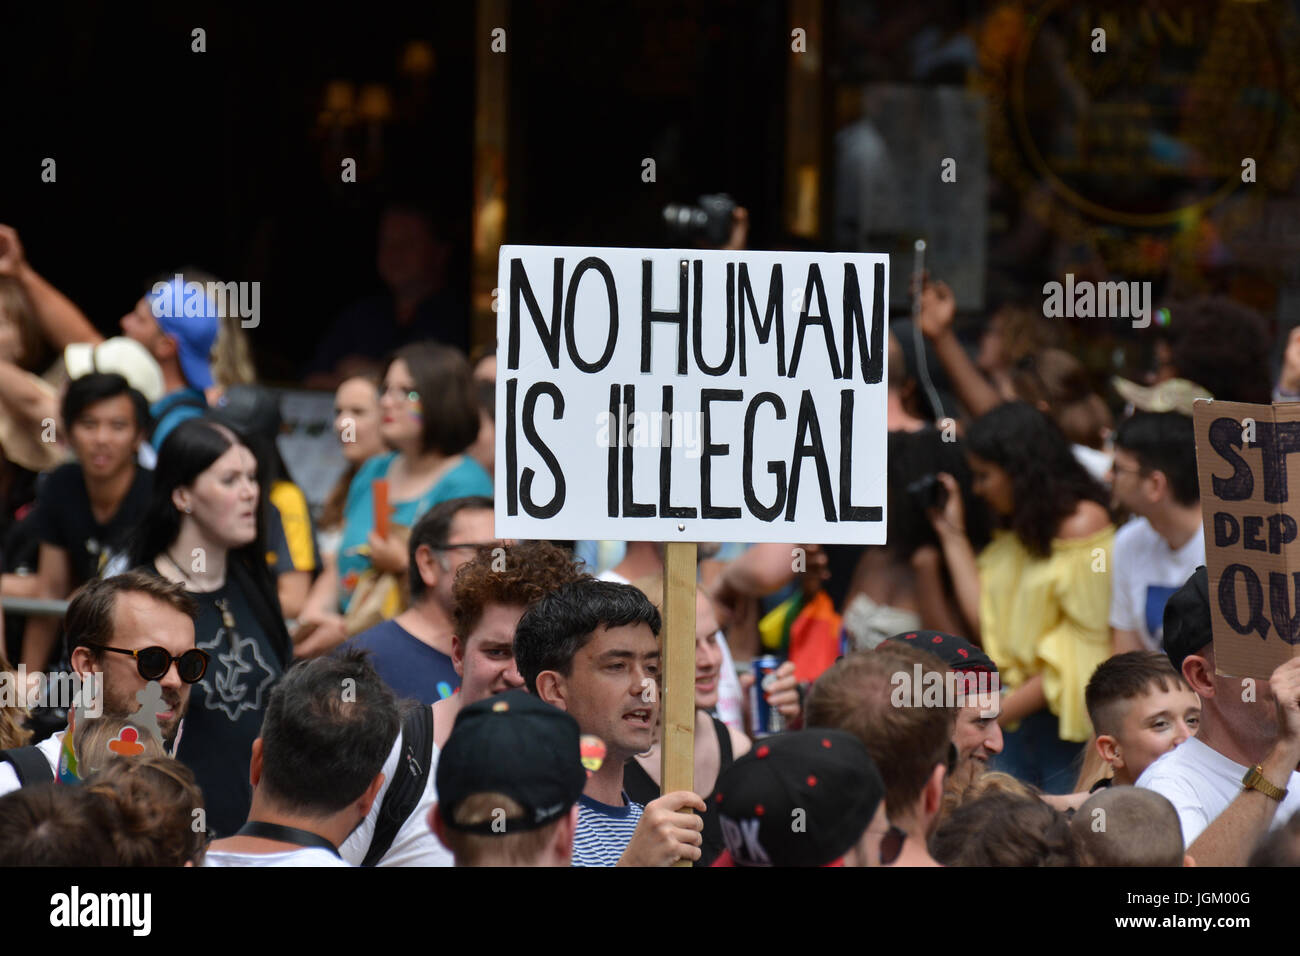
(415, 844)
(614, 576)
(1201, 782)
(1145, 571)
(307, 856)
(49, 748)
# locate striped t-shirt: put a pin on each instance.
(603, 831)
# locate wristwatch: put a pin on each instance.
(1255, 780)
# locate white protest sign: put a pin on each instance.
(691, 395)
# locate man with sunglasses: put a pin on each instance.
(412, 652)
(129, 630)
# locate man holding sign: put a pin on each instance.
(591, 649)
(1232, 630)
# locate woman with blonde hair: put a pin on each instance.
(12, 732)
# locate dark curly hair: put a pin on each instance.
(1222, 346)
(1005, 829)
(1047, 481)
(528, 571)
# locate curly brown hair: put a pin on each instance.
(514, 575)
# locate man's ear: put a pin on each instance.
(427, 562)
(458, 654)
(255, 763)
(1108, 748)
(932, 795)
(1199, 673)
(562, 849)
(1156, 486)
(83, 661)
(551, 687)
(367, 799)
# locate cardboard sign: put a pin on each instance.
(1250, 493)
(689, 395)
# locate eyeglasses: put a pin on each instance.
(475, 545)
(400, 393)
(153, 663)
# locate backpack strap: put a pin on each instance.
(413, 764)
(30, 765)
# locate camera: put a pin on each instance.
(928, 493)
(708, 223)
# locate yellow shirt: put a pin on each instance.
(1048, 616)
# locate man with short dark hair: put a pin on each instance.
(85, 509)
(880, 697)
(1237, 777)
(412, 652)
(508, 782)
(126, 631)
(1154, 477)
(316, 769)
(591, 648)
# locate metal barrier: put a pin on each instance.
(34, 607)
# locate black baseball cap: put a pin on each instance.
(958, 653)
(1187, 626)
(826, 774)
(517, 745)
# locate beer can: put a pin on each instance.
(764, 718)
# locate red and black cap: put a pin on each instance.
(958, 653)
(802, 798)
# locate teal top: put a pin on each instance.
(467, 478)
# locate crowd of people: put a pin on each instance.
(385, 682)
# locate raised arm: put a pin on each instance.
(950, 525)
(61, 322)
(938, 307)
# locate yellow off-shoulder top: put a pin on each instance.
(1048, 616)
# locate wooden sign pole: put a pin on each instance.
(677, 707)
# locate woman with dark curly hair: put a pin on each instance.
(1038, 596)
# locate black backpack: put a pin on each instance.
(30, 765)
(413, 764)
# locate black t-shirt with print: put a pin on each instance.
(63, 518)
(227, 706)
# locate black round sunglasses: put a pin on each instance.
(154, 662)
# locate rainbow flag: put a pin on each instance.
(68, 756)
